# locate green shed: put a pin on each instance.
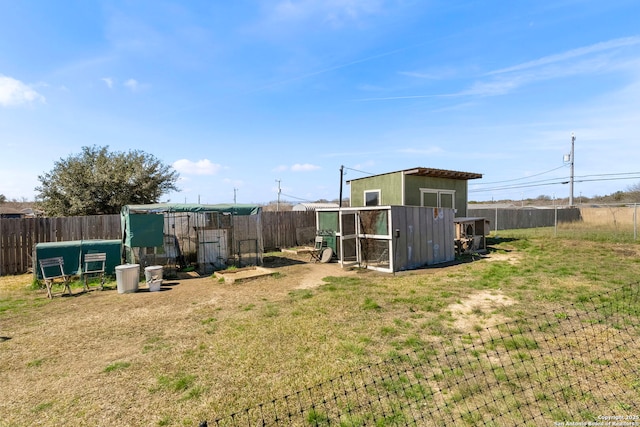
(428, 187)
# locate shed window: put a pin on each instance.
(433, 198)
(372, 198)
(446, 199)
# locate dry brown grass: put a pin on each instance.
(201, 349)
(170, 357)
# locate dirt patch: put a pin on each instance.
(510, 257)
(480, 310)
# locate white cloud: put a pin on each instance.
(298, 167)
(132, 84)
(306, 167)
(13, 93)
(422, 151)
(596, 58)
(572, 54)
(200, 167)
(108, 81)
(334, 12)
(433, 74)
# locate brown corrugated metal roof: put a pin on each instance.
(442, 173)
(435, 173)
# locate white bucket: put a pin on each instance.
(154, 285)
(153, 272)
(127, 278)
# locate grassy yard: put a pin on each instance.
(204, 350)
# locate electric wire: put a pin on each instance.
(560, 181)
(356, 170)
(524, 177)
(294, 197)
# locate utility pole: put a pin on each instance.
(341, 179)
(279, 191)
(573, 140)
(235, 191)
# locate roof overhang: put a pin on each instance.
(442, 173)
(434, 173)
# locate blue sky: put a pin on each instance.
(242, 96)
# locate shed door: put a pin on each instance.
(349, 247)
(212, 249)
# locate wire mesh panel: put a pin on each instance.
(248, 253)
(569, 367)
(375, 252)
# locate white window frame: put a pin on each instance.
(438, 193)
(372, 191)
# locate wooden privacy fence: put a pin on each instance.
(18, 236)
(288, 229)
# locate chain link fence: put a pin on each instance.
(611, 221)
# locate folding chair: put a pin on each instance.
(52, 269)
(319, 247)
(94, 265)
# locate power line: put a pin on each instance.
(514, 187)
(543, 182)
(524, 177)
(609, 174)
(562, 180)
(609, 179)
(356, 170)
(297, 198)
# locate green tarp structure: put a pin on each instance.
(143, 225)
(73, 254)
(235, 209)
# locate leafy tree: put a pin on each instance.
(97, 181)
(2, 199)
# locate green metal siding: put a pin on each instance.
(413, 184)
(390, 186)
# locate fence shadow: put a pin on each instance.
(576, 365)
(496, 240)
(280, 261)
